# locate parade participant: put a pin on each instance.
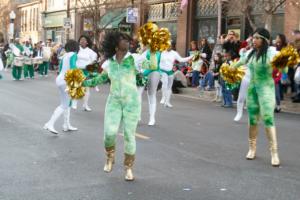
(9, 58)
(261, 92)
(28, 66)
(46, 55)
(68, 62)
(17, 50)
(86, 56)
(243, 89)
(123, 104)
(166, 66)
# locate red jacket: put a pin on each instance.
(276, 74)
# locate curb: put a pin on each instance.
(193, 93)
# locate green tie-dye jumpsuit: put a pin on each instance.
(123, 104)
(261, 92)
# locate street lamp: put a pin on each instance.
(12, 17)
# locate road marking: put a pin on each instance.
(138, 135)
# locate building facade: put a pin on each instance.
(31, 24)
(6, 6)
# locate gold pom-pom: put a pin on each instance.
(162, 40)
(145, 33)
(74, 79)
(156, 39)
(287, 57)
(231, 75)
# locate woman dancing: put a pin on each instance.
(123, 103)
(167, 74)
(85, 57)
(261, 92)
(68, 62)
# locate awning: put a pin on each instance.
(112, 19)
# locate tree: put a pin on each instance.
(95, 9)
(269, 8)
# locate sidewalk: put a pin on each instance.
(286, 105)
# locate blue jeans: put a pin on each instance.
(277, 94)
(227, 96)
(208, 79)
(195, 78)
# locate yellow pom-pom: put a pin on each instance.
(74, 79)
(230, 74)
(156, 39)
(287, 57)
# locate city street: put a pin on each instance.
(194, 152)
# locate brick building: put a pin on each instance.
(199, 19)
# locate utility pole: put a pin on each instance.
(68, 17)
(219, 17)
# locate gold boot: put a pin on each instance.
(271, 134)
(110, 154)
(253, 131)
(128, 163)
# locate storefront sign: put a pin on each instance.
(87, 24)
(132, 15)
(55, 19)
(67, 23)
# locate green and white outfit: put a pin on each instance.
(68, 62)
(167, 61)
(28, 68)
(17, 50)
(85, 57)
(123, 104)
(261, 101)
(152, 72)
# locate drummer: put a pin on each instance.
(28, 65)
(17, 50)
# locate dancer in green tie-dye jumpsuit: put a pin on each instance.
(123, 104)
(261, 92)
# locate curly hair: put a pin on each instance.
(72, 46)
(88, 39)
(111, 41)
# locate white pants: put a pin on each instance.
(64, 97)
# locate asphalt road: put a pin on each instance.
(195, 152)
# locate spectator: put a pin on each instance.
(277, 76)
(218, 48)
(227, 95)
(204, 48)
(179, 80)
(215, 70)
(232, 44)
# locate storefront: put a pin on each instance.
(53, 26)
(165, 15)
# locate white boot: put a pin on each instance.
(152, 110)
(168, 97)
(67, 126)
(86, 101)
(239, 114)
(50, 124)
(163, 97)
(74, 104)
(163, 100)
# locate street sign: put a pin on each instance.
(67, 23)
(132, 15)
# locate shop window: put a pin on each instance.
(155, 12)
(205, 8)
(171, 11)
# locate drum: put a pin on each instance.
(18, 61)
(38, 60)
(27, 61)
